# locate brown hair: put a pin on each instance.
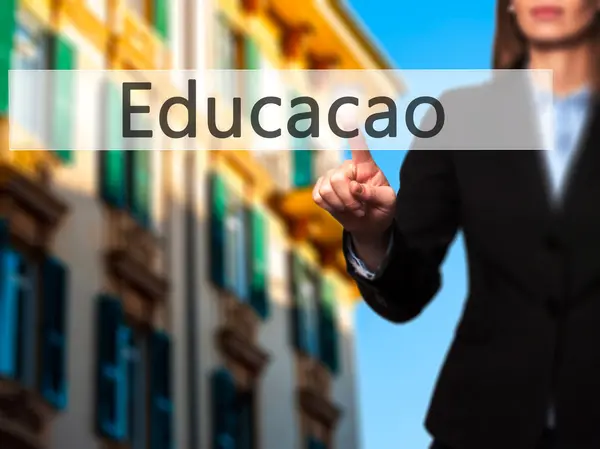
(510, 46)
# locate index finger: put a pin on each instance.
(359, 149)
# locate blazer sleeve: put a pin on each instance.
(426, 222)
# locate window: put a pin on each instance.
(304, 309)
(252, 60)
(235, 243)
(308, 298)
(238, 243)
(30, 53)
(226, 58)
(225, 42)
(37, 49)
(31, 354)
(7, 30)
(133, 377)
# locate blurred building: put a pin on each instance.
(169, 299)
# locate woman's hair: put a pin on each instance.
(510, 46)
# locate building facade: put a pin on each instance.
(169, 299)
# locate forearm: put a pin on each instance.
(402, 282)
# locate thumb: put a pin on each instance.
(383, 196)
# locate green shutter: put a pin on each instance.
(302, 157)
(252, 79)
(259, 263)
(63, 56)
(302, 168)
(140, 193)
(219, 200)
(113, 177)
(161, 18)
(113, 172)
(7, 32)
(251, 54)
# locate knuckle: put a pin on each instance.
(317, 198)
(325, 189)
(338, 177)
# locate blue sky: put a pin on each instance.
(398, 365)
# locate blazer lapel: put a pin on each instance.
(531, 166)
(528, 165)
(586, 162)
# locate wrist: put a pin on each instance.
(379, 240)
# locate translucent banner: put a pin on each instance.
(280, 109)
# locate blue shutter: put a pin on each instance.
(124, 338)
(9, 265)
(133, 364)
(160, 392)
(224, 414)
(112, 390)
(54, 317)
(218, 216)
(313, 443)
(297, 312)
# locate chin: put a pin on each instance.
(552, 40)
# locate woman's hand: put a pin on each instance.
(358, 195)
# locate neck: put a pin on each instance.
(571, 66)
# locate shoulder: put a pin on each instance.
(484, 116)
(471, 99)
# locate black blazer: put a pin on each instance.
(529, 334)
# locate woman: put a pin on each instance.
(523, 371)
